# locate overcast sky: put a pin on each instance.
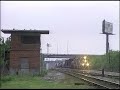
(76, 24)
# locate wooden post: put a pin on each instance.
(103, 72)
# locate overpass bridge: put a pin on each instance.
(65, 55)
(51, 64)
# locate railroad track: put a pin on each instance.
(105, 84)
(115, 77)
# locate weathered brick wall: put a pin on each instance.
(19, 50)
(33, 56)
(17, 45)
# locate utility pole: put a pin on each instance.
(40, 60)
(67, 47)
(57, 48)
(41, 67)
(48, 45)
(47, 48)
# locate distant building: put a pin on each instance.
(50, 64)
(25, 50)
(53, 64)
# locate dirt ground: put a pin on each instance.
(61, 78)
(54, 76)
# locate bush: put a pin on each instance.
(6, 78)
(109, 62)
(43, 73)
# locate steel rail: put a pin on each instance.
(96, 81)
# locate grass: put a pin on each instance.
(37, 82)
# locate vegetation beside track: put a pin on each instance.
(37, 82)
(110, 62)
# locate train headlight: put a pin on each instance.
(85, 60)
(83, 64)
(85, 57)
(87, 64)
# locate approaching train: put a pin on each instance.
(77, 63)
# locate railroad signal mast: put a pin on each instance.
(107, 28)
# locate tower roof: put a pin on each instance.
(25, 31)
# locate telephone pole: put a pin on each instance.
(67, 47)
(57, 48)
(48, 45)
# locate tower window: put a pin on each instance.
(30, 39)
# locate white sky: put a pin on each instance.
(78, 23)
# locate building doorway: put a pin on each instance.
(24, 65)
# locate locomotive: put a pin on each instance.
(77, 63)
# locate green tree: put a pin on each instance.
(4, 46)
(110, 61)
